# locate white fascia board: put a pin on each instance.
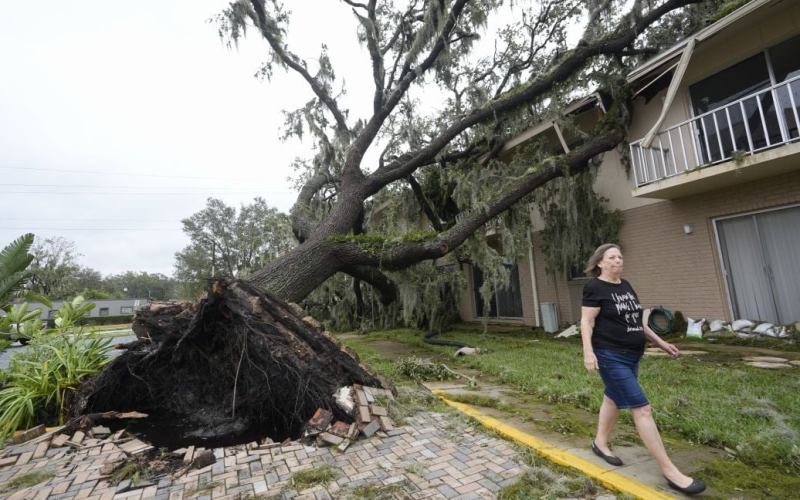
(709, 31)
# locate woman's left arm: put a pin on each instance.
(658, 341)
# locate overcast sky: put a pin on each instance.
(145, 97)
(119, 119)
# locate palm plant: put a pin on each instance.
(14, 274)
(41, 380)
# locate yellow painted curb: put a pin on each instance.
(610, 480)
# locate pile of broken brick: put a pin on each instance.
(103, 452)
(361, 403)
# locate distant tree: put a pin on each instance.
(93, 294)
(87, 278)
(132, 284)
(230, 242)
(54, 268)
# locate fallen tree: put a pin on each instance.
(239, 358)
(234, 363)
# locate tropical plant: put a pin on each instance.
(14, 275)
(41, 379)
(20, 324)
(71, 312)
(14, 272)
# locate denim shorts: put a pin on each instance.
(620, 373)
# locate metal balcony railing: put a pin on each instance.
(759, 121)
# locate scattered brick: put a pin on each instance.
(321, 419)
(378, 410)
(371, 428)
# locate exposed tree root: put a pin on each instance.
(235, 362)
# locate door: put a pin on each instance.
(761, 263)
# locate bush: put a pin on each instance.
(106, 320)
(679, 324)
(41, 378)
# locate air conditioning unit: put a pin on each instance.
(550, 317)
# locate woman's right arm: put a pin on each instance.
(588, 315)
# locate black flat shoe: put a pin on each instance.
(608, 458)
(696, 487)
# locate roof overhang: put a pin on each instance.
(659, 63)
(575, 107)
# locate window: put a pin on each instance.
(126, 310)
(505, 303)
(103, 311)
(723, 131)
(729, 85)
(785, 66)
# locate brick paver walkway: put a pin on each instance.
(425, 458)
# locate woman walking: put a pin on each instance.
(614, 338)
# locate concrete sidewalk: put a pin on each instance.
(640, 477)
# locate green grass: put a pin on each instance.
(374, 492)
(134, 471)
(27, 480)
(304, 479)
(205, 488)
(754, 412)
(481, 400)
(547, 480)
(729, 478)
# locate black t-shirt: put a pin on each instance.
(618, 327)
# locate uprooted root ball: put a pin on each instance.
(235, 363)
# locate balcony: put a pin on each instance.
(744, 140)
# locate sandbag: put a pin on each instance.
(695, 328)
(717, 325)
(742, 325)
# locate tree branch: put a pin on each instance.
(378, 73)
(352, 168)
(424, 204)
(259, 18)
(403, 255)
(378, 280)
(356, 4)
(303, 223)
(565, 68)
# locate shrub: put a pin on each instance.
(41, 379)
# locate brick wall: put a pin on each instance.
(682, 271)
(670, 268)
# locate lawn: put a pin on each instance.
(752, 413)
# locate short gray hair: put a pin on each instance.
(592, 269)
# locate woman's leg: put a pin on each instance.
(608, 417)
(643, 418)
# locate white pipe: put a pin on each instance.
(533, 279)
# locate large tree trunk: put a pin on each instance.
(296, 274)
(234, 364)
